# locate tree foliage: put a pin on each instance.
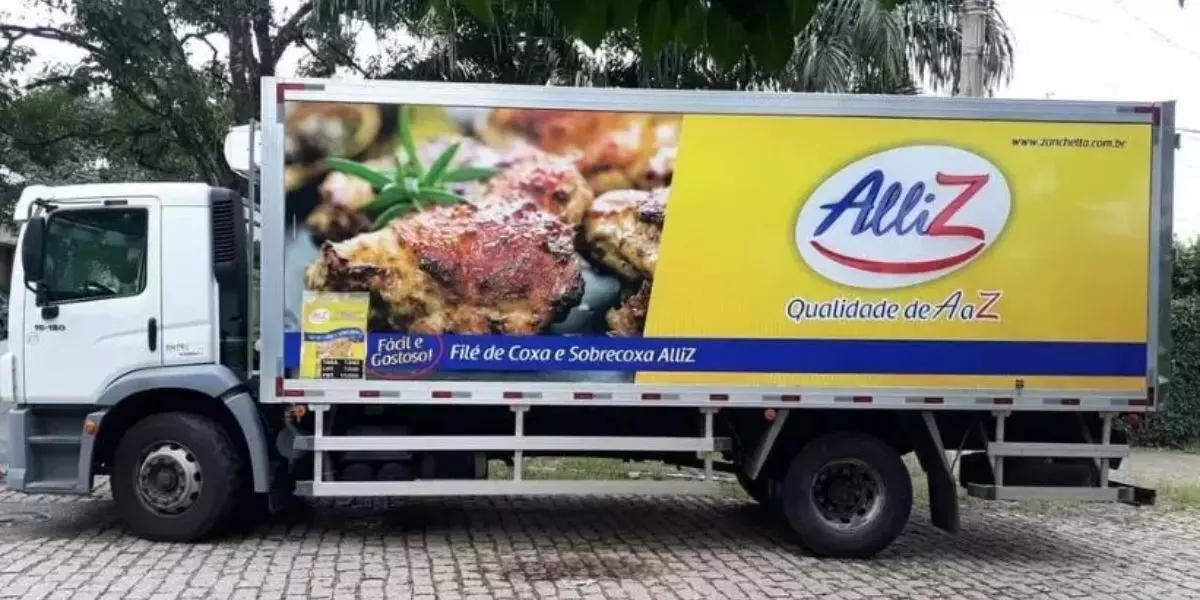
(523, 45)
(54, 135)
(155, 90)
(1185, 269)
(142, 55)
(725, 30)
(57, 132)
(851, 46)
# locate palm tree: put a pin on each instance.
(849, 46)
(525, 45)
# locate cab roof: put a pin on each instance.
(170, 193)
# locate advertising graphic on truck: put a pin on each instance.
(661, 248)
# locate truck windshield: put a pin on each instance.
(95, 253)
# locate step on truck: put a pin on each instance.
(421, 282)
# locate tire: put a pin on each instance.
(253, 510)
(840, 527)
(200, 448)
(758, 489)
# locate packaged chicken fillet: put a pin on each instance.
(334, 335)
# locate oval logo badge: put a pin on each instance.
(903, 216)
(319, 316)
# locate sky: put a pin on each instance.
(1130, 50)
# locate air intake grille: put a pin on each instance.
(224, 244)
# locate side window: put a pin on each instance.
(95, 253)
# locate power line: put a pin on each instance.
(1075, 16)
(1162, 36)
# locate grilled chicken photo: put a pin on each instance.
(319, 129)
(341, 196)
(553, 184)
(474, 153)
(492, 266)
(613, 150)
(629, 319)
(622, 230)
(337, 216)
(503, 252)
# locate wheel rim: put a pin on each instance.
(169, 480)
(847, 493)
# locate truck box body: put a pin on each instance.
(736, 244)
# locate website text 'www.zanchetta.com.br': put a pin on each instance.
(1070, 142)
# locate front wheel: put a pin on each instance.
(847, 495)
(176, 477)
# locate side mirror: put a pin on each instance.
(32, 247)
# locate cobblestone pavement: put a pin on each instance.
(1151, 467)
(593, 548)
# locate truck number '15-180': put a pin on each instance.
(49, 327)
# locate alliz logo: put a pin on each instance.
(318, 316)
(903, 216)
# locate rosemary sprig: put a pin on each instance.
(411, 186)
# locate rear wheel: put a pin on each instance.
(176, 477)
(847, 495)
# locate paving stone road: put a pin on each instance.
(592, 549)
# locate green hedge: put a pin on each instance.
(1177, 423)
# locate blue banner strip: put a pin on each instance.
(401, 353)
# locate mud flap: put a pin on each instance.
(943, 497)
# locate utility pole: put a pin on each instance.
(973, 21)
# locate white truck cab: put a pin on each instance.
(126, 298)
(100, 303)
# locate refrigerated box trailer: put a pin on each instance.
(798, 289)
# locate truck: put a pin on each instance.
(422, 286)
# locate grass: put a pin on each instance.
(608, 469)
(1177, 495)
(574, 468)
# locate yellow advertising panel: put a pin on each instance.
(1063, 255)
(737, 250)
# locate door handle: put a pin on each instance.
(152, 334)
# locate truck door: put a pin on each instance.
(101, 301)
